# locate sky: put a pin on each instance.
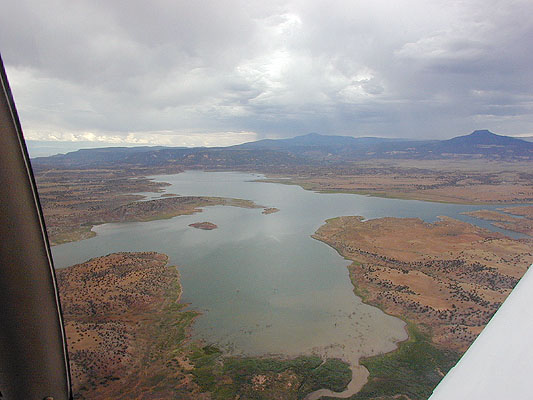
(216, 73)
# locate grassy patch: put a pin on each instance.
(167, 339)
(206, 369)
(266, 378)
(333, 375)
(170, 331)
(73, 235)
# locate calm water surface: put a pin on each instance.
(263, 284)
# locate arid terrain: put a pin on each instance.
(126, 328)
(461, 181)
(446, 279)
(74, 201)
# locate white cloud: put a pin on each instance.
(164, 138)
(280, 68)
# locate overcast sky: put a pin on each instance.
(224, 72)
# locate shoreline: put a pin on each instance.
(151, 210)
(364, 374)
(363, 242)
(356, 383)
(390, 195)
(135, 315)
(517, 219)
(155, 337)
(80, 228)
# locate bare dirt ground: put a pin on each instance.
(128, 338)
(75, 200)
(71, 199)
(448, 277)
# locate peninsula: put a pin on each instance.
(517, 219)
(446, 279)
(461, 181)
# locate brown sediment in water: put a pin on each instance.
(448, 278)
(359, 378)
(127, 331)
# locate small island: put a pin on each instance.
(206, 226)
(270, 210)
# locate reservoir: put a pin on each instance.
(263, 284)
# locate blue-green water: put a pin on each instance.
(263, 284)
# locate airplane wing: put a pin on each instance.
(499, 364)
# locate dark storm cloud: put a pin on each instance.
(208, 72)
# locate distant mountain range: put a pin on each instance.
(308, 149)
(481, 143)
